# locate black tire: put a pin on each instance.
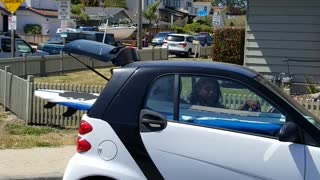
(188, 54)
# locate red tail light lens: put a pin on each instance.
(83, 145)
(85, 127)
(183, 44)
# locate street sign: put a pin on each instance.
(64, 25)
(202, 13)
(12, 5)
(216, 21)
(12, 22)
(64, 9)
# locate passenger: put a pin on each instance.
(207, 93)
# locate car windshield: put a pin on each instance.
(55, 39)
(200, 38)
(307, 114)
(161, 34)
(175, 38)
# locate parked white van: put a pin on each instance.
(22, 47)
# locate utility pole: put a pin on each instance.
(13, 44)
(139, 32)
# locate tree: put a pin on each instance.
(79, 11)
(232, 3)
(150, 13)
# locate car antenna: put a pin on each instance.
(95, 71)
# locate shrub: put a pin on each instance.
(229, 45)
(32, 29)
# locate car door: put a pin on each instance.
(222, 142)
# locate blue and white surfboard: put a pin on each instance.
(73, 100)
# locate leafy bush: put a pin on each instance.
(229, 45)
(193, 28)
(32, 29)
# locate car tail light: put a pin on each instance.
(164, 43)
(183, 44)
(85, 127)
(83, 145)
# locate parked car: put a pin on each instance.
(21, 47)
(204, 40)
(164, 135)
(55, 44)
(179, 44)
(158, 38)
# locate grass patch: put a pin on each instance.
(80, 78)
(16, 129)
(2, 116)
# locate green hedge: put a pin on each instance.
(229, 45)
(32, 29)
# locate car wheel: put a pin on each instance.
(188, 55)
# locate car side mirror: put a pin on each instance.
(289, 132)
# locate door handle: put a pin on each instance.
(152, 121)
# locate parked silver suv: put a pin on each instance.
(179, 44)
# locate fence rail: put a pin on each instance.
(43, 65)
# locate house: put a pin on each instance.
(284, 37)
(4, 18)
(203, 7)
(168, 10)
(42, 12)
(114, 15)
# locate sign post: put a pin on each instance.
(64, 16)
(12, 6)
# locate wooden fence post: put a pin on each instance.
(6, 87)
(29, 97)
(24, 66)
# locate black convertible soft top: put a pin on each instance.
(119, 56)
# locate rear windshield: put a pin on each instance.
(175, 38)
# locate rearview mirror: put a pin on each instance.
(289, 132)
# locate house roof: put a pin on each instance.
(202, 3)
(46, 13)
(4, 10)
(99, 11)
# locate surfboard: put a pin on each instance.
(73, 100)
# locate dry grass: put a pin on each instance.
(86, 77)
(14, 134)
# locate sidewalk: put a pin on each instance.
(36, 163)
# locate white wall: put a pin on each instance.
(27, 17)
(41, 4)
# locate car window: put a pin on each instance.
(160, 96)
(175, 38)
(189, 39)
(226, 104)
(23, 47)
(6, 45)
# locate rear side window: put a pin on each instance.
(175, 38)
(6, 45)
